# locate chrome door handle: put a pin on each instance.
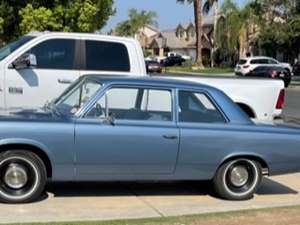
(171, 137)
(64, 81)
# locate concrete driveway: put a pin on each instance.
(106, 201)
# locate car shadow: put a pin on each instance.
(97, 189)
(112, 189)
(271, 187)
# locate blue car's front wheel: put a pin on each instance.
(22, 176)
(238, 179)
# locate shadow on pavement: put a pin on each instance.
(203, 188)
(271, 187)
(128, 189)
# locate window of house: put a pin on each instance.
(107, 56)
(197, 108)
(55, 54)
(134, 104)
(192, 32)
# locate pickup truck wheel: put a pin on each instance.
(238, 179)
(22, 176)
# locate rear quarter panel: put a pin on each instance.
(203, 148)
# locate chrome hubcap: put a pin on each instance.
(239, 176)
(15, 176)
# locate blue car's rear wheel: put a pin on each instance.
(238, 179)
(22, 176)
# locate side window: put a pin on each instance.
(271, 61)
(197, 108)
(134, 104)
(259, 61)
(261, 69)
(74, 99)
(55, 54)
(156, 100)
(107, 56)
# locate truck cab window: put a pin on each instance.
(55, 54)
(107, 56)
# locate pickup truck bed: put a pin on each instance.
(257, 97)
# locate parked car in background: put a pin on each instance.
(153, 66)
(173, 54)
(246, 65)
(173, 61)
(110, 128)
(271, 72)
(37, 61)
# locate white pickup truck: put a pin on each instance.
(39, 66)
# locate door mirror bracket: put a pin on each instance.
(110, 119)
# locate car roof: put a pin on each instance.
(257, 57)
(236, 114)
(83, 35)
(149, 80)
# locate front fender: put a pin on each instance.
(24, 141)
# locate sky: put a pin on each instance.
(170, 13)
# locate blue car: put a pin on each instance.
(105, 128)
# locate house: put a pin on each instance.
(181, 39)
(146, 34)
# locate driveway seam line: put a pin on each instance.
(145, 201)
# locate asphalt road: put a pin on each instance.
(291, 112)
(107, 201)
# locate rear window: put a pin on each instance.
(242, 61)
(107, 56)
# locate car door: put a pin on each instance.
(143, 138)
(56, 69)
(203, 134)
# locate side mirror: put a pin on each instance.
(25, 61)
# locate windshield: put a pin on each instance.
(8, 49)
(77, 96)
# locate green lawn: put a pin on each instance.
(272, 216)
(295, 83)
(206, 71)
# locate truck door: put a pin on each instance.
(57, 67)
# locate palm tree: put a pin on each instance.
(136, 21)
(234, 28)
(199, 31)
(207, 7)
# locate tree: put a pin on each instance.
(54, 15)
(136, 20)
(9, 12)
(38, 19)
(199, 30)
(277, 27)
(207, 7)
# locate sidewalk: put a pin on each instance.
(110, 201)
